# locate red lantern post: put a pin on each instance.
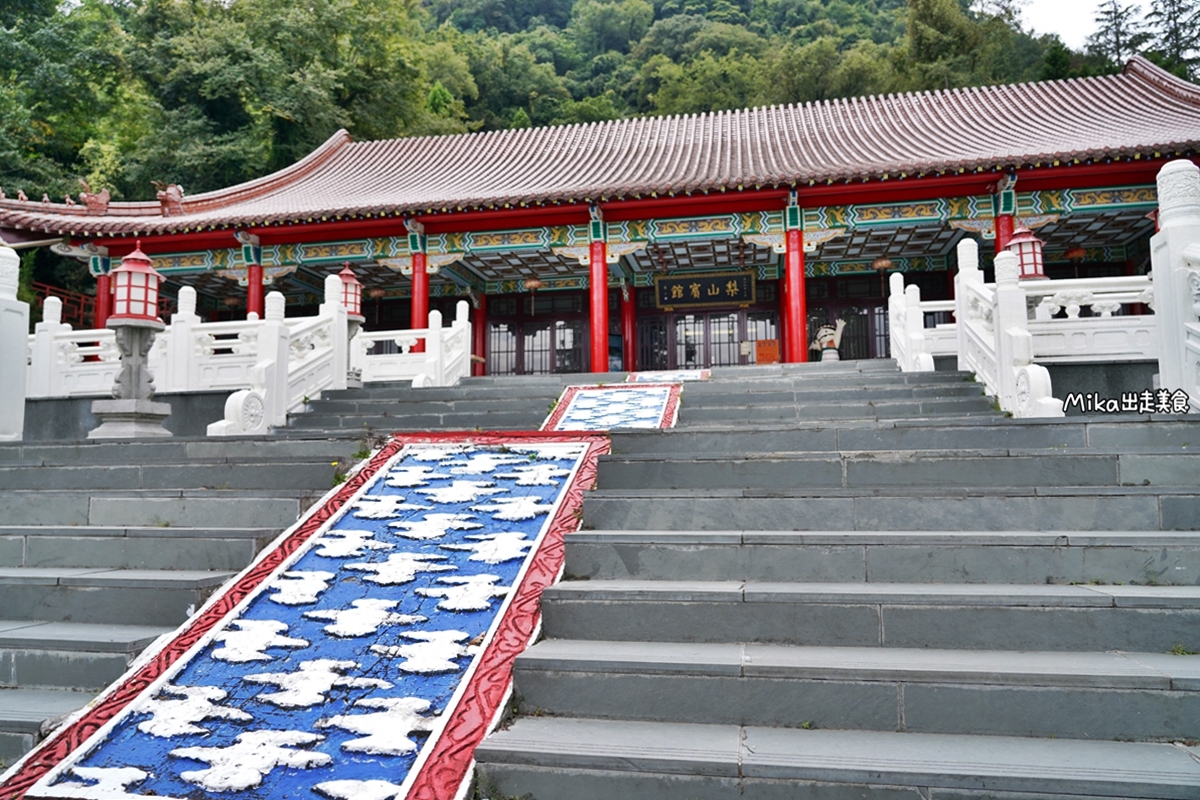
(134, 321)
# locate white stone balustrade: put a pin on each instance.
(993, 338)
(14, 328)
(273, 366)
(446, 360)
(1175, 262)
(1072, 339)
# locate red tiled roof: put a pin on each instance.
(1142, 111)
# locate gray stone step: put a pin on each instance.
(176, 450)
(97, 595)
(279, 474)
(1129, 696)
(22, 712)
(131, 548)
(946, 616)
(1055, 557)
(564, 759)
(741, 393)
(477, 404)
(896, 508)
(900, 468)
(40, 654)
(462, 391)
(695, 413)
(189, 508)
(500, 420)
(941, 434)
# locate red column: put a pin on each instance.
(795, 312)
(254, 289)
(103, 301)
(784, 350)
(628, 329)
(479, 334)
(598, 283)
(1004, 231)
(420, 297)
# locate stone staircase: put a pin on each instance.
(830, 580)
(876, 588)
(105, 546)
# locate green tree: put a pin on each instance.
(602, 25)
(1175, 31)
(1119, 32)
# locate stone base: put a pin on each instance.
(130, 419)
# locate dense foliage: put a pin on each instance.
(207, 93)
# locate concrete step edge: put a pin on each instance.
(77, 637)
(744, 754)
(1111, 670)
(108, 577)
(1117, 539)
(878, 594)
(24, 710)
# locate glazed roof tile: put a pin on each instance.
(1141, 111)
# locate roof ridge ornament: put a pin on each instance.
(170, 198)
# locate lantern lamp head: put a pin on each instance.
(135, 285)
(351, 291)
(1028, 250)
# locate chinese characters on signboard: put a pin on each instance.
(699, 291)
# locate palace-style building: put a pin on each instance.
(667, 242)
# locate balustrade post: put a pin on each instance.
(333, 310)
(968, 274)
(182, 372)
(1008, 315)
(274, 343)
(435, 349)
(1175, 262)
(46, 378)
(895, 305)
(14, 348)
(919, 359)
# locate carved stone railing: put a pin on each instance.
(446, 360)
(1175, 261)
(273, 366)
(1061, 335)
(992, 336)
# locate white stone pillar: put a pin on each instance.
(896, 307)
(273, 345)
(180, 373)
(14, 348)
(333, 309)
(968, 273)
(1175, 260)
(1009, 321)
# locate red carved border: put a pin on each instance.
(444, 771)
(564, 402)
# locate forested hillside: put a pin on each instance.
(207, 93)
